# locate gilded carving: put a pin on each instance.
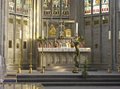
(67, 32)
(52, 31)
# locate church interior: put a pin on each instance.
(59, 44)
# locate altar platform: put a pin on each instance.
(66, 78)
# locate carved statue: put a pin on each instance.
(77, 57)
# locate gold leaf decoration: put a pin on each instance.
(67, 32)
(52, 31)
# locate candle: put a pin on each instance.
(42, 34)
(77, 28)
(109, 37)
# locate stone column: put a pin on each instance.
(3, 22)
(2, 35)
(0, 24)
(3, 16)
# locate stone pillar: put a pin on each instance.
(3, 16)
(0, 24)
(113, 29)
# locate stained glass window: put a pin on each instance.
(96, 6)
(87, 9)
(105, 6)
(11, 5)
(27, 5)
(18, 6)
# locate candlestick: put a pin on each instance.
(76, 28)
(42, 34)
(20, 54)
(30, 65)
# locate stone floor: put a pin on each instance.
(80, 87)
(85, 87)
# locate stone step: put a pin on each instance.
(71, 80)
(81, 83)
(10, 78)
(67, 80)
(51, 78)
(67, 76)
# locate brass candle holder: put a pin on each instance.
(43, 68)
(19, 64)
(30, 65)
(109, 70)
(118, 68)
(30, 70)
(19, 69)
(21, 56)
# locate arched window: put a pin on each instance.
(96, 6)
